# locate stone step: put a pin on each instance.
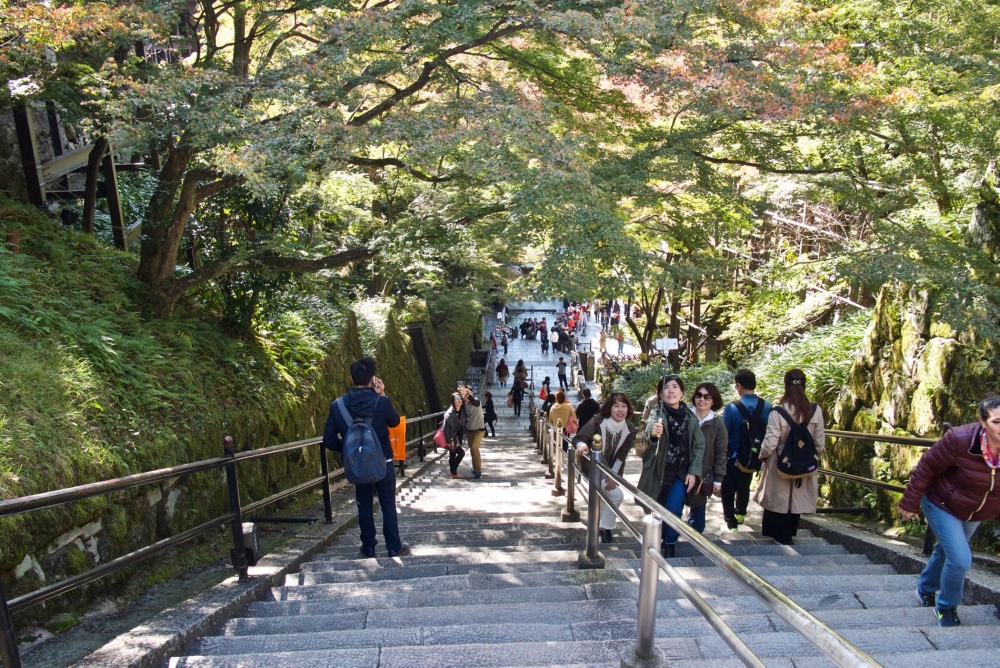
(885, 640)
(472, 581)
(554, 559)
(778, 649)
(678, 619)
(796, 568)
(345, 552)
(555, 655)
(683, 549)
(834, 586)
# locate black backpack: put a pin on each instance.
(798, 457)
(751, 436)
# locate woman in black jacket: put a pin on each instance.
(454, 430)
(490, 413)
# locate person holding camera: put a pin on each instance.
(367, 400)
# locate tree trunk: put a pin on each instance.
(166, 220)
(675, 332)
(90, 189)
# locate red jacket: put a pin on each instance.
(955, 478)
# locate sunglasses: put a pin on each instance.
(702, 395)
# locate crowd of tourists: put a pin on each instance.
(694, 447)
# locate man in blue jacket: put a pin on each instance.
(736, 483)
(367, 399)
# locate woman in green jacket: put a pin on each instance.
(673, 461)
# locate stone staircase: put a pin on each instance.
(493, 581)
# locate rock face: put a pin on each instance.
(913, 375)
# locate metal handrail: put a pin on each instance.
(863, 481)
(8, 645)
(883, 438)
(727, 634)
(650, 545)
(829, 642)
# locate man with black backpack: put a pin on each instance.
(358, 429)
(746, 423)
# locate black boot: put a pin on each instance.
(667, 551)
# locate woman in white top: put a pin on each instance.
(617, 437)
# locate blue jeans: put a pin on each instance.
(696, 518)
(672, 498)
(952, 556)
(364, 495)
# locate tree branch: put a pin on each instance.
(428, 69)
(210, 189)
(231, 265)
(399, 164)
(764, 168)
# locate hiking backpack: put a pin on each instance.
(751, 436)
(798, 457)
(363, 458)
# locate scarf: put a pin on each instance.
(991, 458)
(613, 435)
(677, 444)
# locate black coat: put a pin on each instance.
(587, 409)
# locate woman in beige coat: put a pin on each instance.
(783, 499)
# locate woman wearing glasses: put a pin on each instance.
(707, 400)
(672, 463)
(617, 437)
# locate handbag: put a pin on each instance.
(572, 424)
(542, 394)
(510, 399)
(440, 441)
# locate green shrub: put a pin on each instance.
(825, 354)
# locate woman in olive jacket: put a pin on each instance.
(706, 400)
(955, 485)
(673, 460)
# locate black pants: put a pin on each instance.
(782, 527)
(489, 423)
(455, 458)
(563, 383)
(735, 492)
(517, 403)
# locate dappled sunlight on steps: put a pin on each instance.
(493, 581)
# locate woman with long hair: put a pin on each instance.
(617, 437)
(705, 401)
(673, 461)
(561, 411)
(783, 498)
(454, 429)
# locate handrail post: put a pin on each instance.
(540, 441)
(570, 513)
(421, 450)
(324, 464)
(591, 558)
(545, 442)
(239, 552)
(558, 490)
(550, 453)
(8, 643)
(645, 653)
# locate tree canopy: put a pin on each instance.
(642, 150)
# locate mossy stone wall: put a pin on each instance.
(53, 544)
(912, 375)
